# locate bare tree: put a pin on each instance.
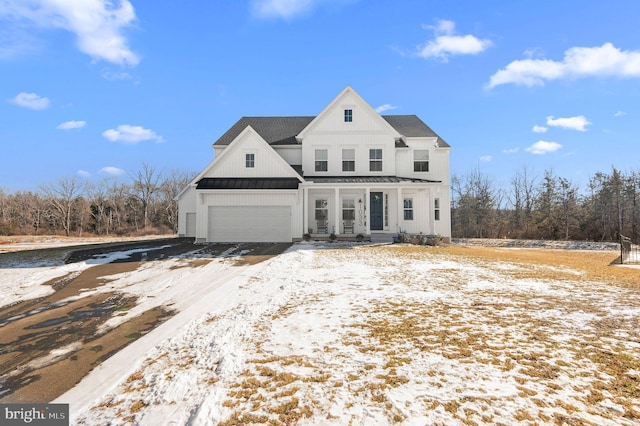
(173, 184)
(146, 183)
(522, 197)
(62, 196)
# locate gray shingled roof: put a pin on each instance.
(411, 126)
(283, 130)
(274, 130)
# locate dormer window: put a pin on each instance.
(250, 161)
(348, 115)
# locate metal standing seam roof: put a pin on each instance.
(367, 179)
(248, 183)
(283, 130)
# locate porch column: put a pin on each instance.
(367, 213)
(400, 208)
(336, 210)
(305, 210)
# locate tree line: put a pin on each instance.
(546, 207)
(70, 206)
(533, 206)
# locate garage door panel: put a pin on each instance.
(249, 224)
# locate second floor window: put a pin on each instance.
(348, 115)
(421, 160)
(375, 160)
(348, 160)
(322, 162)
(250, 161)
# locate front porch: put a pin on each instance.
(364, 207)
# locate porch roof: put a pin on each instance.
(366, 179)
(248, 183)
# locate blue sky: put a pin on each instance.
(95, 88)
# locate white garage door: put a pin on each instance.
(249, 224)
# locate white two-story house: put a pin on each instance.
(346, 171)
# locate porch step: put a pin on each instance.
(382, 238)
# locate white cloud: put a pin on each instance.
(97, 24)
(112, 171)
(619, 114)
(84, 173)
(539, 129)
(447, 43)
(116, 76)
(578, 123)
(511, 150)
(486, 158)
(73, 124)
(31, 101)
(603, 61)
(128, 134)
(288, 9)
(385, 107)
(543, 147)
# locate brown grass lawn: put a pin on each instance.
(595, 265)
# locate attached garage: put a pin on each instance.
(249, 224)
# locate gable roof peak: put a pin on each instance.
(360, 100)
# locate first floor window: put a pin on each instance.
(436, 208)
(348, 160)
(250, 161)
(375, 160)
(322, 160)
(348, 209)
(321, 210)
(421, 160)
(408, 209)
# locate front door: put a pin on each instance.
(377, 211)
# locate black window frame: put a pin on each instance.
(250, 160)
(321, 165)
(349, 165)
(375, 162)
(407, 204)
(420, 165)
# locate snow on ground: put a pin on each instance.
(362, 334)
(24, 281)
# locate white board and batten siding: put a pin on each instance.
(190, 225)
